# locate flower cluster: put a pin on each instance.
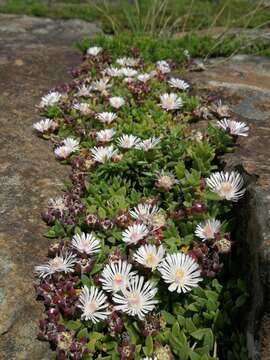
(142, 223)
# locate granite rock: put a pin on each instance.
(243, 82)
(36, 54)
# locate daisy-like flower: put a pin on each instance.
(45, 125)
(50, 99)
(144, 212)
(93, 303)
(70, 145)
(227, 185)
(134, 233)
(207, 229)
(221, 110)
(149, 256)
(58, 204)
(102, 154)
(234, 127)
(83, 108)
(117, 102)
(84, 90)
(61, 263)
(113, 72)
(180, 271)
(150, 358)
(106, 117)
(137, 299)
(105, 135)
(116, 276)
(101, 85)
(127, 61)
(178, 84)
(128, 72)
(165, 180)
(128, 141)
(163, 67)
(86, 243)
(62, 152)
(170, 101)
(148, 144)
(94, 50)
(144, 77)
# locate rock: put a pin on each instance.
(36, 55)
(244, 83)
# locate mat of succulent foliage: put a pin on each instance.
(144, 225)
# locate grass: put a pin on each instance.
(154, 49)
(139, 23)
(149, 16)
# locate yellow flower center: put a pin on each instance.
(134, 300)
(226, 188)
(118, 279)
(151, 260)
(207, 231)
(56, 263)
(179, 275)
(90, 308)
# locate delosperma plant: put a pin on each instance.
(143, 227)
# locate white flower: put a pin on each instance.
(106, 117)
(58, 204)
(117, 102)
(208, 229)
(170, 101)
(144, 77)
(186, 53)
(149, 256)
(144, 212)
(128, 72)
(61, 263)
(45, 125)
(93, 303)
(62, 152)
(137, 299)
(221, 110)
(234, 127)
(227, 185)
(113, 71)
(134, 233)
(70, 145)
(150, 358)
(86, 243)
(94, 50)
(128, 141)
(165, 180)
(116, 276)
(148, 144)
(84, 90)
(163, 67)
(127, 61)
(82, 108)
(103, 153)
(50, 99)
(178, 84)
(180, 271)
(101, 85)
(105, 135)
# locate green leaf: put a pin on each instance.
(73, 325)
(149, 348)
(169, 318)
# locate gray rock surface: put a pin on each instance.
(35, 54)
(244, 83)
